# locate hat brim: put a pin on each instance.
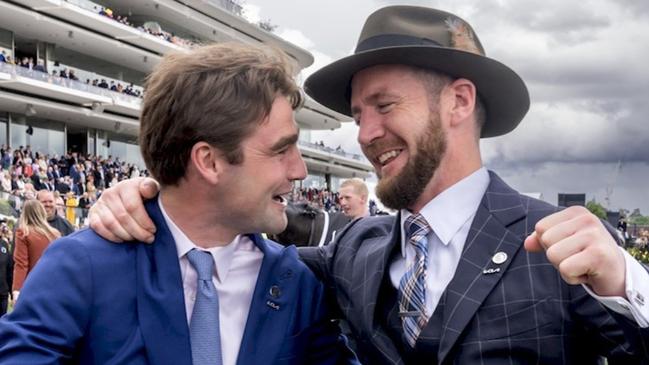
(502, 91)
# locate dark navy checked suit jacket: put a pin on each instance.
(523, 313)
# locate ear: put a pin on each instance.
(364, 199)
(207, 161)
(463, 98)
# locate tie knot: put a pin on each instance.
(416, 225)
(202, 262)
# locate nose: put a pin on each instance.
(370, 128)
(297, 166)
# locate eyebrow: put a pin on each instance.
(285, 141)
(373, 98)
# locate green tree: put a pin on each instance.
(640, 220)
(596, 209)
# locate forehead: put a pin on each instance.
(45, 196)
(347, 190)
(279, 123)
(383, 79)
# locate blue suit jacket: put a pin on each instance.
(90, 301)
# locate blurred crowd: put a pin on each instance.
(76, 181)
(150, 27)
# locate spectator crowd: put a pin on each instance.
(318, 198)
(153, 30)
(76, 181)
(63, 75)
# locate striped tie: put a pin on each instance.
(412, 287)
(204, 326)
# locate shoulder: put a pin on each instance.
(288, 261)
(86, 242)
(367, 228)
(502, 200)
(536, 209)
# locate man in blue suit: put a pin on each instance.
(210, 290)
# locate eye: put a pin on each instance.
(385, 107)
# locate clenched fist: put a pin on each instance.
(579, 246)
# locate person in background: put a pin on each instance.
(53, 218)
(33, 235)
(353, 196)
(71, 203)
(6, 267)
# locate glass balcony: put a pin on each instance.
(117, 97)
(230, 5)
(328, 149)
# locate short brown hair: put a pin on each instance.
(217, 94)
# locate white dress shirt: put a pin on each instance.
(450, 215)
(237, 266)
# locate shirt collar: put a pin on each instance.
(222, 255)
(451, 209)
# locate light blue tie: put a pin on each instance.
(204, 325)
(412, 287)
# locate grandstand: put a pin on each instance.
(71, 76)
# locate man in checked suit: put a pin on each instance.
(210, 291)
(469, 271)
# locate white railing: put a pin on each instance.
(328, 149)
(33, 74)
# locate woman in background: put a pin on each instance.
(33, 236)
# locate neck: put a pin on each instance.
(195, 215)
(454, 167)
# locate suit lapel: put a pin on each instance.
(476, 274)
(270, 309)
(160, 298)
(369, 269)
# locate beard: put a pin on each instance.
(402, 190)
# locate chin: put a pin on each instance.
(276, 226)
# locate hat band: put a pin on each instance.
(394, 40)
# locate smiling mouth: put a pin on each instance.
(387, 157)
(281, 199)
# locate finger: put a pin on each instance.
(575, 269)
(94, 219)
(566, 248)
(148, 188)
(122, 221)
(99, 228)
(137, 223)
(107, 225)
(532, 243)
(564, 215)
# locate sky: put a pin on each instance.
(584, 63)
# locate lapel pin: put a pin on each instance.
(274, 291)
(499, 258)
(273, 305)
(490, 271)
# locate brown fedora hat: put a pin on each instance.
(426, 38)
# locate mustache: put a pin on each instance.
(374, 149)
